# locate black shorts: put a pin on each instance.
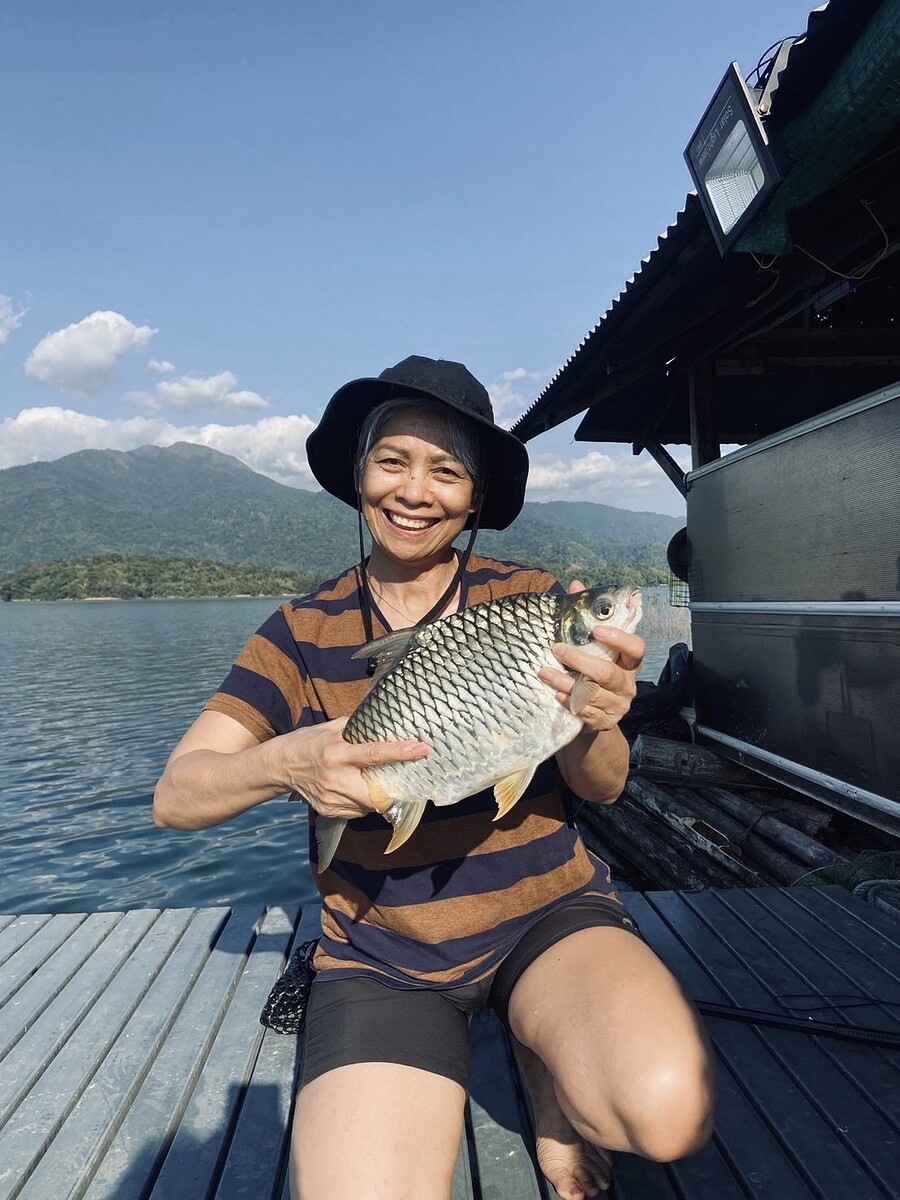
(364, 1020)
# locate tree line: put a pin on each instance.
(142, 577)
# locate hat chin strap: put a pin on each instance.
(366, 590)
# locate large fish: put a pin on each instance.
(469, 687)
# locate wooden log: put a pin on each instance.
(782, 835)
(665, 846)
(760, 855)
(710, 840)
(625, 865)
(656, 869)
(683, 762)
(692, 799)
(805, 815)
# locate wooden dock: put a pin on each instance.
(133, 1066)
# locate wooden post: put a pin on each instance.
(704, 439)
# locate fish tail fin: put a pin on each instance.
(404, 815)
(511, 789)
(328, 834)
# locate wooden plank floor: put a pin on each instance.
(133, 1066)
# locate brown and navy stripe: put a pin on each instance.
(446, 907)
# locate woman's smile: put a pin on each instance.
(412, 523)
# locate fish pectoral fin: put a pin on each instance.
(581, 693)
(387, 651)
(404, 815)
(328, 834)
(511, 789)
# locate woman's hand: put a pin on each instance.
(326, 771)
(219, 769)
(595, 763)
(614, 680)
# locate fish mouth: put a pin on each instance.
(409, 524)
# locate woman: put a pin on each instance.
(513, 914)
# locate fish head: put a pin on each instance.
(608, 606)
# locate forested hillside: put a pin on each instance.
(189, 502)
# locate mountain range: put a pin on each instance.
(187, 500)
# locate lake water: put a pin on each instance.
(93, 696)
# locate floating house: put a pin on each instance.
(764, 332)
(132, 1062)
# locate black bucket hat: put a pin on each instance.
(331, 447)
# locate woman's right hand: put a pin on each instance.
(326, 771)
(219, 770)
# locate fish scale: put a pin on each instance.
(469, 687)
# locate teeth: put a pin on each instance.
(408, 522)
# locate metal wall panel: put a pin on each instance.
(795, 600)
(821, 691)
(810, 516)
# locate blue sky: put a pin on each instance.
(216, 212)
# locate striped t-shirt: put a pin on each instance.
(445, 908)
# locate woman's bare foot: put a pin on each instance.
(574, 1167)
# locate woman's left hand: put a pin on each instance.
(615, 680)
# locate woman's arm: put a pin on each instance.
(595, 765)
(219, 770)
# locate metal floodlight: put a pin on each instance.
(732, 160)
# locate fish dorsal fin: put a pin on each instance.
(511, 789)
(387, 651)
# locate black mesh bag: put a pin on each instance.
(285, 1009)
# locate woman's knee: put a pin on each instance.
(675, 1117)
(663, 1114)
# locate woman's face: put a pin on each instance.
(416, 497)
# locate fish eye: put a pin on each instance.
(604, 609)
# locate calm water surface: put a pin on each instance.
(93, 696)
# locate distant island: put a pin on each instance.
(139, 577)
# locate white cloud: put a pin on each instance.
(10, 318)
(620, 480)
(160, 366)
(274, 446)
(83, 356)
(513, 392)
(518, 373)
(214, 391)
(145, 401)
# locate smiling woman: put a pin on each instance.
(480, 909)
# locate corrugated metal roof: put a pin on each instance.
(689, 224)
(831, 29)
